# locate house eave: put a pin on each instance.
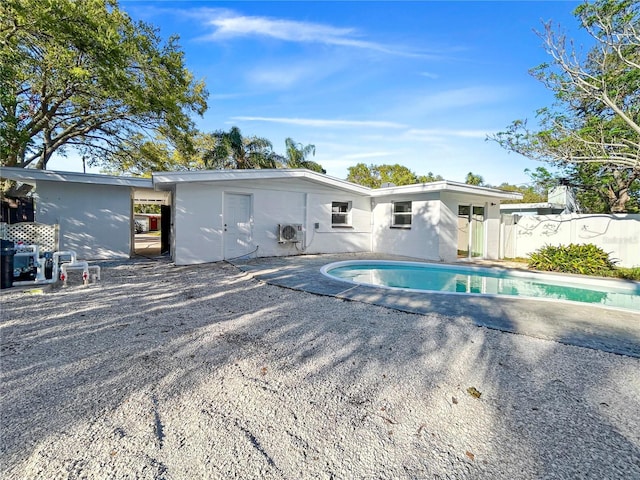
(166, 180)
(447, 186)
(31, 176)
(531, 206)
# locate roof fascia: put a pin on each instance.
(32, 176)
(164, 180)
(509, 206)
(449, 187)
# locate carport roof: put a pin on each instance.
(31, 176)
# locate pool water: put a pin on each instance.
(488, 281)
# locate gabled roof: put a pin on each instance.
(31, 176)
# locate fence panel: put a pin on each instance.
(618, 235)
(32, 233)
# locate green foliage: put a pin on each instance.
(297, 156)
(535, 192)
(430, 177)
(592, 131)
(627, 273)
(529, 195)
(231, 150)
(374, 176)
(141, 155)
(602, 189)
(81, 75)
(364, 175)
(473, 179)
(582, 259)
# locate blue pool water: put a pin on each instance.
(487, 281)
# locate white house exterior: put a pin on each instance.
(226, 214)
(221, 215)
(439, 230)
(217, 215)
(94, 212)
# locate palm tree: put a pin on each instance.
(233, 151)
(473, 179)
(297, 156)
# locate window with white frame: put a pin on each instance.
(401, 215)
(340, 214)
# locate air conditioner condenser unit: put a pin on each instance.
(289, 233)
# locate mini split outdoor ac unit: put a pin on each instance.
(289, 233)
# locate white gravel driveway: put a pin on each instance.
(164, 372)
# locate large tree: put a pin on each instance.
(375, 176)
(80, 74)
(233, 151)
(596, 117)
(142, 155)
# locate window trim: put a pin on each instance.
(408, 214)
(347, 215)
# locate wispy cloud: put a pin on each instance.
(286, 76)
(315, 122)
(462, 97)
(360, 156)
(431, 133)
(228, 24)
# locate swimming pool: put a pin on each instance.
(472, 280)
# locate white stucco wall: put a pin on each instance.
(422, 240)
(329, 239)
(199, 219)
(492, 228)
(448, 229)
(449, 224)
(95, 220)
(197, 224)
(200, 237)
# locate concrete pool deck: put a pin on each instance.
(609, 330)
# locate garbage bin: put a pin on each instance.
(7, 251)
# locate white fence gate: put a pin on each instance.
(618, 235)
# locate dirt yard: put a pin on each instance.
(165, 372)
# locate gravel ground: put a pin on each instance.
(165, 372)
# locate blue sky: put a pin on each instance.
(415, 83)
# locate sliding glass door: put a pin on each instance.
(470, 231)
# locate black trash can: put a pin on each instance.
(7, 251)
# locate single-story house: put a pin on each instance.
(561, 199)
(209, 216)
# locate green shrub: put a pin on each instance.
(628, 273)
(582, 259)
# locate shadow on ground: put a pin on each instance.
(202, 372)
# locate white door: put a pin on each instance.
(237, 225)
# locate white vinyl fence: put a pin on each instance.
(618, 235)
